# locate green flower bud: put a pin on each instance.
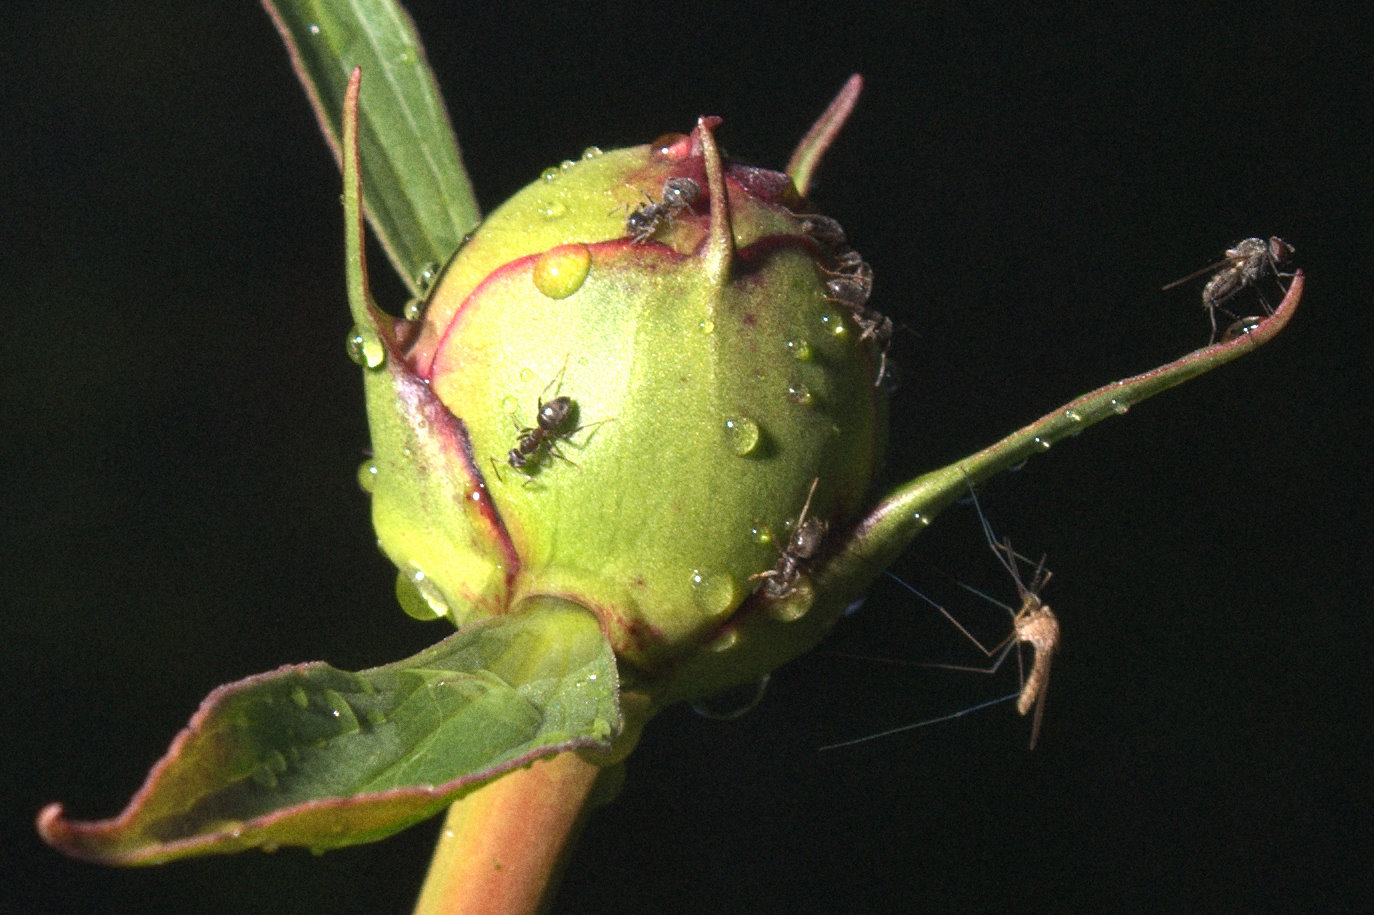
(625, 389)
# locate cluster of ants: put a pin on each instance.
(850, 283)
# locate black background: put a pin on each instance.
(182, 430)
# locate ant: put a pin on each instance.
(678, 195)
(550, 425)
(1033, 624)
(1244, 266)
(852, 285)
(826, 232)
(805, 542)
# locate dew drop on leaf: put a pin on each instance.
(365, 348)
(742, 435)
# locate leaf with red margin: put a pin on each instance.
(315, 756)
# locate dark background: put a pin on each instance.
(182, 430)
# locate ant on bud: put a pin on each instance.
(678, 194)
(551, 422)
(805, 542)
(826, 232)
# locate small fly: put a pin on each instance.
(1244, 266)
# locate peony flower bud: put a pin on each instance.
(624, 391)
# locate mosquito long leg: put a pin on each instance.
(920, 724)
(1034, 623)
(997, 653)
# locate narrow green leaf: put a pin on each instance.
(315, 756)
(908, 509)
(419, 199)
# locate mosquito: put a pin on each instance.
(1243, 267)
(1033, 624)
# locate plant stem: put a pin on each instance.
(501, 847)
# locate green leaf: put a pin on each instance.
(419, 199)
(315, 756)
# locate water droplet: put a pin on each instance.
(566, 164)
(761, 534)
(1073, 416)
(314, 28)
(672, 147)
(341, 711)
(414, 309)
(426, 276)
(800, 394)
(552, 209)
(419, 596)
(715, 593)
(367, 476)
(732, 703)
(561, 271)
(920, 519)
(1241, 327)
(365, 348)
(707, 326)
(724, 641)
(834, 323)
(800, 350)
(591, 152)
(1119, 407)
(550, 174)
(299, 697)
(527, 374)
(741, 434)
(509, 403)
(270, 847)
(1041, 443)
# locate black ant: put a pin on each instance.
(1244, 266)
(548, 428)
(805, 542)
(851, 286)
(826, 232)
(550, 425)
(678, 195)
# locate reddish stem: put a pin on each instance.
(502, 846)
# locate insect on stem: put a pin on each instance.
(1243, 267)
(1033, 624)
